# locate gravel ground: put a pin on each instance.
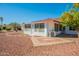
(18, 44)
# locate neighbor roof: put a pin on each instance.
(49, 20)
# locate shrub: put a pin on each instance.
(4, 28)
(8, 29)
(0, 28)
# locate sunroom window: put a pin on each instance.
(39, 27)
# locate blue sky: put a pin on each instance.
(28, 12)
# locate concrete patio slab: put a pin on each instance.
(41, 41)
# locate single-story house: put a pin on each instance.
(48, 27)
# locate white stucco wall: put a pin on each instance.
(38, 34)
(67, 31)
(28, 31)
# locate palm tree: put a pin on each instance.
(1, 20)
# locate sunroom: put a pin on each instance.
(39, 29)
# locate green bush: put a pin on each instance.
(0, 28)
(8, 29)
(4, 28)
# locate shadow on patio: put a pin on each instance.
(67, 35)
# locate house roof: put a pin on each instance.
(49, 20)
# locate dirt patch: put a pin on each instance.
(22, 46)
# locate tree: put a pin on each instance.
(76, 5)
(15, 26)
(71, 18)
(66, 19)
